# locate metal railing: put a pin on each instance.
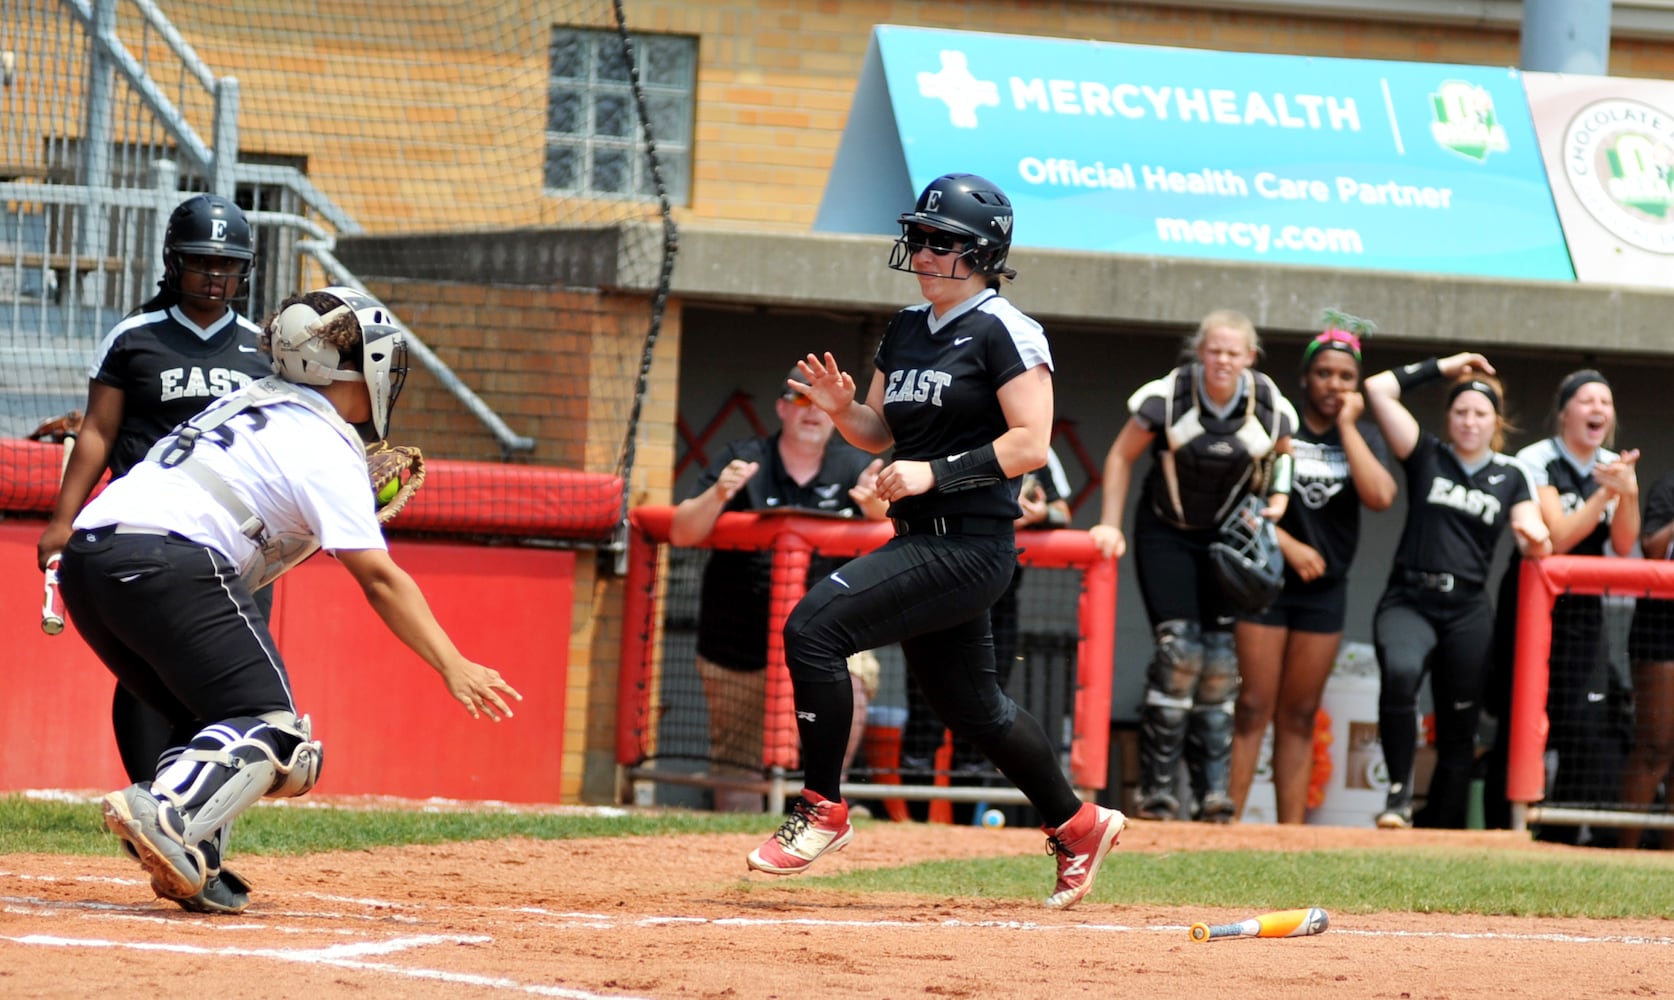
(97, 146)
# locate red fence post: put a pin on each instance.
(1525, 773)
(1095, 668)
(780, 742)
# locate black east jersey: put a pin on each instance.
(169, 369)
(1551, 465)
(941, 377)
(1454, 517)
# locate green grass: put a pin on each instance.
(1417, 880)
(1577, 883)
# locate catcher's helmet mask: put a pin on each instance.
(973, 212)
(1246, 558)
(297, 339)
(207, 225)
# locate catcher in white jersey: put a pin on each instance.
(962, 392)
(158, 573)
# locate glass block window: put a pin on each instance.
(594, 145)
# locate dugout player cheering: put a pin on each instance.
(1589, 498)
(963, 393)
(158, 572)
(799, 468)
(1435, 613)
(1218, 431)
(163, 363)
(1285, 654)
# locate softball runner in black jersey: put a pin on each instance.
(963, 394)
(1285, 654)
(162, 364)
(1589, 497)
(1435, 614)
(1218, 431)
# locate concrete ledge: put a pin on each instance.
(829, 271)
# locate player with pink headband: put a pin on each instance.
(1285, 653)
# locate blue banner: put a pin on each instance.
(1134, 149)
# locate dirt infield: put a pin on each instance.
(678, 918)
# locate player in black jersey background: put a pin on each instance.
(1589, 498)
(1286, 653)
(962, 391)
(1435, 614)
(179, 351)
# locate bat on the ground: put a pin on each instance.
(52, 612)
(1278, 924)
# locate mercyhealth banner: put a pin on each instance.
(1130, 149)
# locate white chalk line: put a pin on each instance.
(343, 956)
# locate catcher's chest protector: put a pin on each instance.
(279, 552)
(1209, 459)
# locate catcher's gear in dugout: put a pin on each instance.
(1247, 559)
(397, 471)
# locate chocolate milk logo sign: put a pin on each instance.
(963, 93)
(1465, 121)
(1619, 158)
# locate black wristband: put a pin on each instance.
(1414, 375)
(967, 470)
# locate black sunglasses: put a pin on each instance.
(937, 242)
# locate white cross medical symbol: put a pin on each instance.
(963, 93)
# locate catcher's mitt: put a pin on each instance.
(397, 471)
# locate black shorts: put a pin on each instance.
(1311, 607)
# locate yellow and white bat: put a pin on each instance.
(1278, 924)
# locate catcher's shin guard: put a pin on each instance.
(1209, 733)
(1170, 681)
(230, 765)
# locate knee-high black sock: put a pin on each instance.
(824, 713)
(1029, 759)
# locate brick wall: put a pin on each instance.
(557, 365)
(455, 111)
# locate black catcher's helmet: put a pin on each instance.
(970, 207)
(1246, 558)
(206, 225)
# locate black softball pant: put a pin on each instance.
(173, 622)
(1450, 636)
(932, 594)
(1176, 578)
(146, 740)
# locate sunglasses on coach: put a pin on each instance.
(795, 398)
(939, 243)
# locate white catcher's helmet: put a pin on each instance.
(301, 355)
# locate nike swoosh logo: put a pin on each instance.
(1493, 480)
(246, 350)
(961, 340)
(1595, 696)
(839, 581)
(127, 579)
(955, 458)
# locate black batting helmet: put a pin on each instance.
(968, 206)
(206, 225)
